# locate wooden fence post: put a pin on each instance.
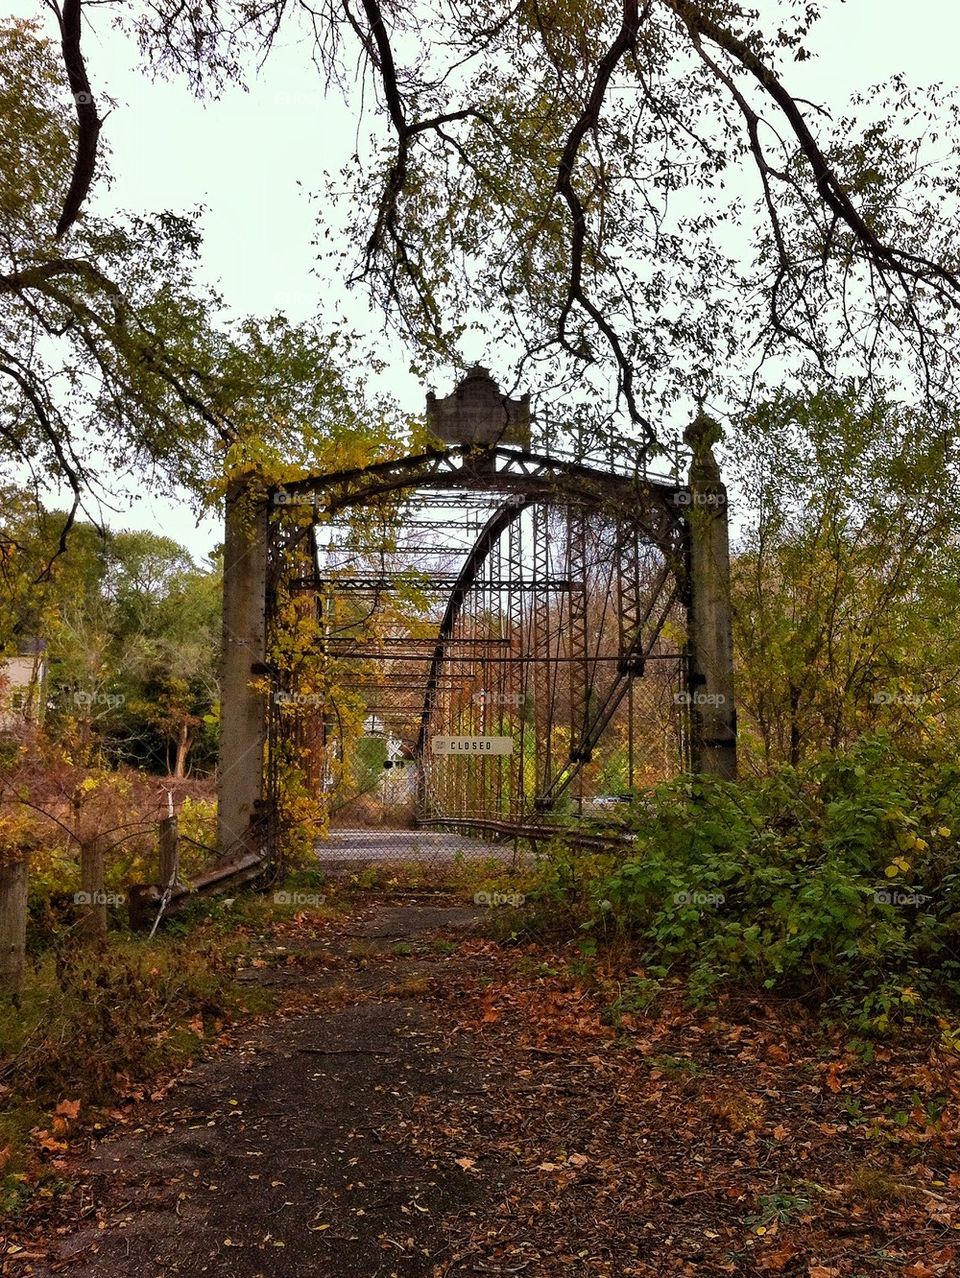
(169, 852)
(93, 897)
(13, 927)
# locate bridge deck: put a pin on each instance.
(346, 849)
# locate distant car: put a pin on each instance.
(608, 800)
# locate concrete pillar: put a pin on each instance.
(242, 709)
(713, 715)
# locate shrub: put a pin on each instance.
(836, 882)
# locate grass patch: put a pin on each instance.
(98, 1023)
(872, 1187)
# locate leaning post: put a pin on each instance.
(242, 707)
(713, 715)
(169, 847)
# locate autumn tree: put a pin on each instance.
(844, 578)
(107, 356)
(625, 195)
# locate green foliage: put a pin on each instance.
(132, 633)
(197, 826)
(781, 1208)
(106, 346)
(836, 882)
(845, 599)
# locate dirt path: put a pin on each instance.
(430, 1104)
(288, 1154)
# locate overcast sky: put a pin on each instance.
(255, 159)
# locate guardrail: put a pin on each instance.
(145, 899)
(600, 840)
(147, 903)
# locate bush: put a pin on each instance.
(836, 882)
(95, 1017)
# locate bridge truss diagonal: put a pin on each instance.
(526, 612)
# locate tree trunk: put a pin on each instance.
(794, 703)
(13, 927)
(93, 895)
(183, 749)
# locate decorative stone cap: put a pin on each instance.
(700, 436)
(477, 413)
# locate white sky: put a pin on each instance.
(253, 159)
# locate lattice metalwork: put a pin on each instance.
(527, 608)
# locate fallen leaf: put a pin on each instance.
(47, 1142)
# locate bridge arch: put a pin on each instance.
(596, 629)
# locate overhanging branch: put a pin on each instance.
(88, 122)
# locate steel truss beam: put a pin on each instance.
(510, 576)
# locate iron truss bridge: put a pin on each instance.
(503, 636)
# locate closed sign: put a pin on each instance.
(472, 745)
